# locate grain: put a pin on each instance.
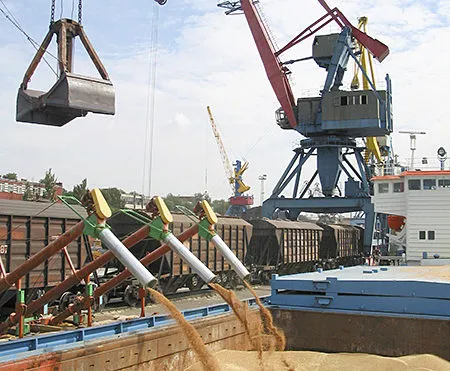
(207, 360)
(231, 360)
(268, 320)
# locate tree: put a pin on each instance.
(28, 194)
(10, 176)
(173, 201)
(220, 206)
(80, 189)
(49, 182)
(113, 198)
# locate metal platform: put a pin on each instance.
(411, 291)
(65, 340)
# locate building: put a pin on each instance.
(16, 189)
(418, 205)
(134, 201)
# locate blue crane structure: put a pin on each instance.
(330, 122)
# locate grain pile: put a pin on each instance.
(262, 334)
(231, 360)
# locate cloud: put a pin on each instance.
(206, 58)
(181, 120)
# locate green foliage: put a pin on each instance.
(112, 197)
(172, 201)
(49, 182)
(28, 194)
(220, 206)
(10, 176)
(330, 218)
(80, 189)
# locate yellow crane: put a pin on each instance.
(365, 58)
(238, 202)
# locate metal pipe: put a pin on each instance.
(69, 260)
(55, 292)
(197, 266)
(237, 265)
(41, 256)
(141, 273)
(117, 280)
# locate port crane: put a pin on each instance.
(238, 201)
(330, 122)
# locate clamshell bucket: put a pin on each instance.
(72, 95)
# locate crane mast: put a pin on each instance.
(330, 122)
(238, 202)
(223, 154)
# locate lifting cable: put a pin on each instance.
(53, 7)
(10, 17)
(150, 108)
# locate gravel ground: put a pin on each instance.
(208, 298)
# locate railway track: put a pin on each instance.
(184, 300)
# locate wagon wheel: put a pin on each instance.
(224, 279)
(194, 283)
(234, 280)
(66, 299)
(131, 296)
(99, 307)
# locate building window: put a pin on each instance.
(363, 99)
(444, 183)
(422, 235)
(429, 184)
(431, 235)
(383, 188)
(399, 187)
(344, 101)
(414, 184)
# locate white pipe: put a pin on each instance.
(226, 252)
(196, 265)
(124, 255)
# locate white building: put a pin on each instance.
(135, 201)
(423, 198)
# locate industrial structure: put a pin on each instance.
(406, 308)
(418, 210)
(239, 202)
(330, 122)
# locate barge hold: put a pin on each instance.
(390, 311)
(353, 310)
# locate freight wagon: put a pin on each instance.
(172, 272)
(287, 247)
(25, 228)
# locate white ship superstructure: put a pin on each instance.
(422, 198)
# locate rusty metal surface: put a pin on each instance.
(40, 257)
(165, 349)
(353, 332)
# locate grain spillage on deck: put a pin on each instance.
(232, 360)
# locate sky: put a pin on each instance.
(204, 57)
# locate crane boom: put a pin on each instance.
(223, 154)
(275, 70)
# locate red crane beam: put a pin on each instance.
(272, 65)
(269, 56)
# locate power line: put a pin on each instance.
(33, 42)
(150, 109)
